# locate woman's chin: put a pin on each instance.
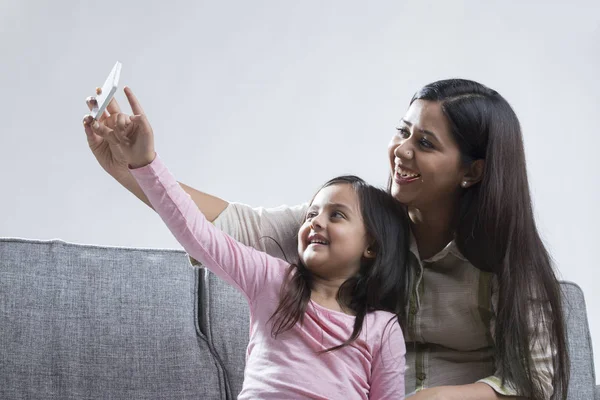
(403, 195)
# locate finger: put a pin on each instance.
(136, 107)
(122, 125)
(113, 106)
(91, 102)
(105, 115)
(111, 121)
(141, 121)
(100, 129)
(87, 120)
(92, 138)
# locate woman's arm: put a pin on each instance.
(540, 349)
(473, 391)
(211, 206)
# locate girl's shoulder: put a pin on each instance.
(382, 330)
(381, 322)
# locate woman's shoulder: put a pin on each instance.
(263, 215)
(272, 230)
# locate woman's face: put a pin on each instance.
(424, 158)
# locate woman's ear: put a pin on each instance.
(474, 174)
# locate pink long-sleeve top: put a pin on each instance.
(289, 367)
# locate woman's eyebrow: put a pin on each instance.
(420, 130)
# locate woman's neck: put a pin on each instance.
(432, 230)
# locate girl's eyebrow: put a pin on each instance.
(340, 205)
(332, 205)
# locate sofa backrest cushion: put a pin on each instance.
(82, 322)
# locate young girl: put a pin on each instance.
(326, 328)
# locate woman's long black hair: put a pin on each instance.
(496, 232)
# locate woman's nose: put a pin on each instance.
(404, 151)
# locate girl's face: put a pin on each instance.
(424, 158)
(333, 239)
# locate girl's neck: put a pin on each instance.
(433, 230)
(324, 293)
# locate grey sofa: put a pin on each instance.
(91, 322)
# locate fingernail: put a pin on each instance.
(95, 125)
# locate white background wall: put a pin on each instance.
(262, 101)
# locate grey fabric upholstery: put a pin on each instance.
(87, 322)
(583, 381)
(225, 321)
(90, 322)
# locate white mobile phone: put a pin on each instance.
(108, 91)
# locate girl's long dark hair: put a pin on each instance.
(381, 283)
(496, 232)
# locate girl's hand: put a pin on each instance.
(118, 139)
(109, 155)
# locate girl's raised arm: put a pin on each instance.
(110, 156)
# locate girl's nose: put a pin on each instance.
(316, 224)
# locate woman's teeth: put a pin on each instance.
(406, 174)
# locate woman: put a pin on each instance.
(485, 316)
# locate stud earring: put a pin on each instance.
(464, 184)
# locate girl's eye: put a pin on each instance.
(338, 214)
(403, 132)
(311, 215)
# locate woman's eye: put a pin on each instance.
(311, 215)
(426, 143)
(403, 132)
